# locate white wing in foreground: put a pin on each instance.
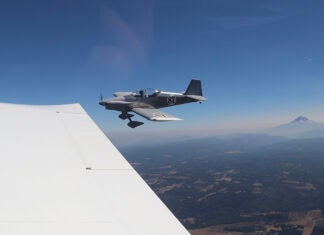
(154, 114)
(59, 174)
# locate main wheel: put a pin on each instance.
(134, 124)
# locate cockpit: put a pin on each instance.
(147, 92)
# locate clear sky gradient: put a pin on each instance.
(261, 62)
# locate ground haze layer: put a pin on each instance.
(239, 185)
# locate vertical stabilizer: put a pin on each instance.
(194, 88)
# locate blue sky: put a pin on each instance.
(261, 62)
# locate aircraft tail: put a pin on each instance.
(194, 88)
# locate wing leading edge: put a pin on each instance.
(154, 114)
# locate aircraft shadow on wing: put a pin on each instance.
(147, 102)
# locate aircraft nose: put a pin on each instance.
(102, 103)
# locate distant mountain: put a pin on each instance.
(301, 119)
(301, 127)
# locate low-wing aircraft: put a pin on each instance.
(146, 103)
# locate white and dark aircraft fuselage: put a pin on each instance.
(146, 102)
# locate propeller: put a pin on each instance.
(101, 100)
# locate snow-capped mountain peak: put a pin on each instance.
(301, 119)
(300, 127)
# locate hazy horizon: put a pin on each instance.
(161, 135)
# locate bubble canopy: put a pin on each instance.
(146, 92)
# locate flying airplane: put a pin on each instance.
(146, 102)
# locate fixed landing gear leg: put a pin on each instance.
(125, 116)
(131, 123)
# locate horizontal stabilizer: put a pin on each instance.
(197, 97)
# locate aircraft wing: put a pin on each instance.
(60, 174)
(154, 114)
